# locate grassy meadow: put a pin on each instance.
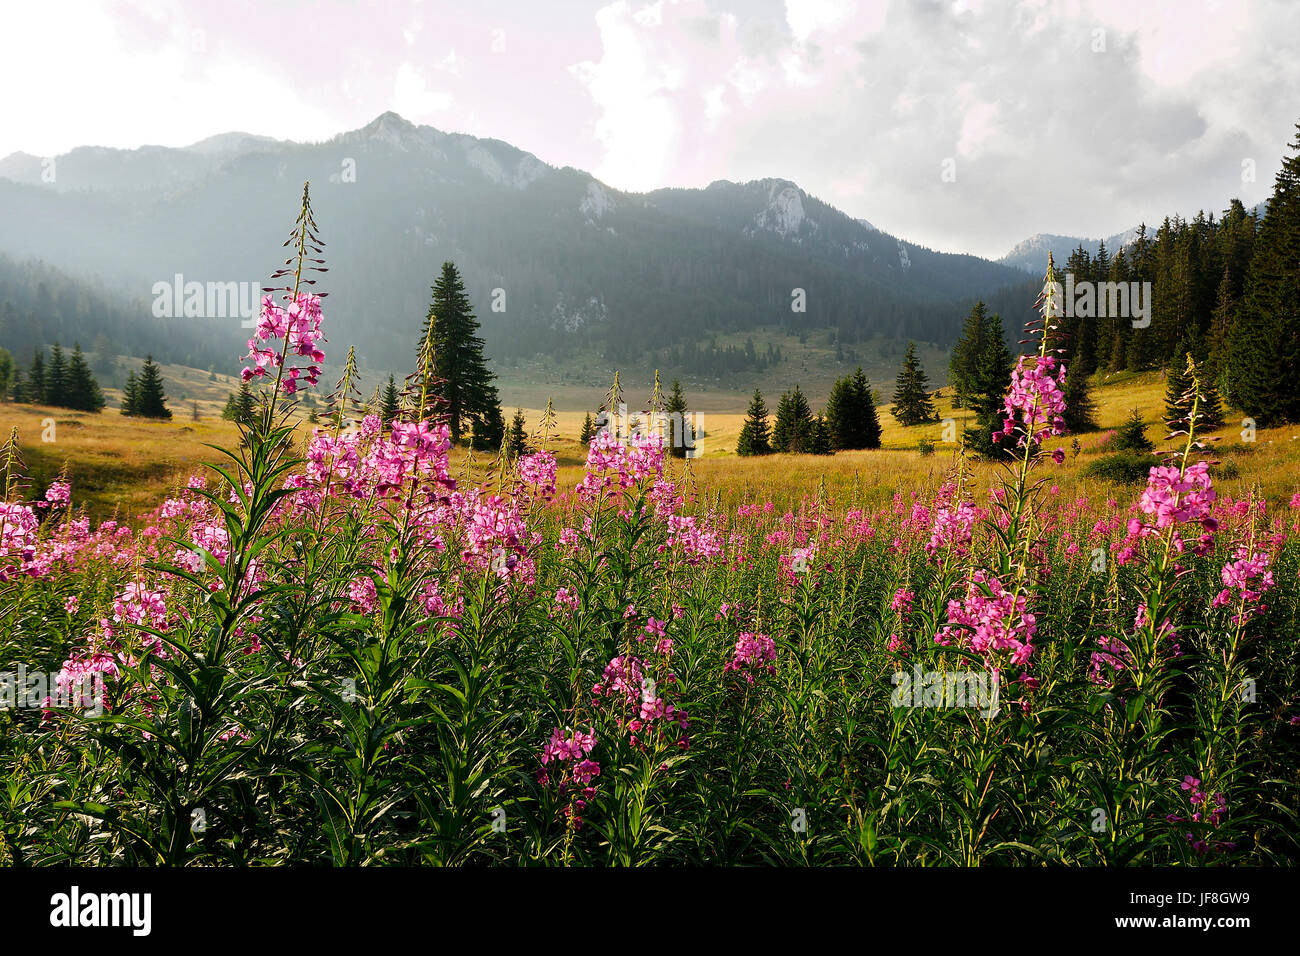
(127, 466)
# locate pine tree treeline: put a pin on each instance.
(1262, 366)
(1225, 290)
(64, 382)
(850, 422)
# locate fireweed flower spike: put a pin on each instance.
(298, 328)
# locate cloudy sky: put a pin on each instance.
(965, 126)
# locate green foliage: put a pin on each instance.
(793, 432)
(517, 437)
(851, 413)
(755, 435)
(148, 401)
(680, 436)
(1131, 436)
(912, 405)
(463, 383)
(390, 402)
(1128, 467)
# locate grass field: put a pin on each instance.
(126, 465)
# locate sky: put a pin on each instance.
(965, 126)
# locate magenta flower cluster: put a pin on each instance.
(1248, 575)
(298, 327)
(1035, 401)
(1174, 499)
(953, 526)
(754, 653)
(569, 755)
(990, 621)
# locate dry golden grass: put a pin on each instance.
(129, 465)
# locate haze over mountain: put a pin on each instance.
(577, 263)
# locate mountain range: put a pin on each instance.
(555, 261)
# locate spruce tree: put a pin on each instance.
(131, 395)
(56, 378)
(841, 414)
(489, 430)
(794, 424)
(820, 441)
(678, 421)
(152, 401)
(912, 405)
(868, 431)
(990, 377)
(7, 370)
(390, 402)
(1080, 410)
(1263, 362)
(851, 413)
(84, 392)
(34, 388)
(231, 410)
(1210, 411)
(517, 441)
(464, 381)
(1132, 435)
(755, 434)
(588, 429)
(1177, 386)
(966, 355)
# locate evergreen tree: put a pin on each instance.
(7, 379)
(241, 406)
(489, 429)
(1210, 411)
(517, 441)
(989, 379)
(820, 439)
(755, 435)
(588, 429)
(34, 389)
(966, 355)
(1080, 410)
(1178, 382)
(912, 405)
(131, 395)
(868, 431)
(1132, 435)
(678, 421)
(152, 401)
(464, 381)
(56, 378)
(841, 413)
(794, 424)
(1184, 375)
(390, 402)
(1263, 367)
(84, 392)
(851, 413)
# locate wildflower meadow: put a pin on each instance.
(330, 651)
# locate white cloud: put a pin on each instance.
(412, 97)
